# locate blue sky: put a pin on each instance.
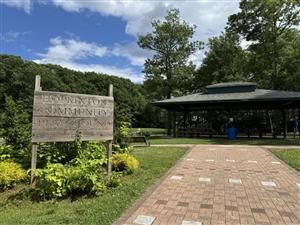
(99, 35)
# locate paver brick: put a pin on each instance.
(194, 197)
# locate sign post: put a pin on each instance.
(109, 143)
(34, 148)
(60, 116)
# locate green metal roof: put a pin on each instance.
(241, 98)
(231, 87)
(232, 84)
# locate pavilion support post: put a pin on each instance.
(169, 121)
(174, 124)
(197, 125)
(184, 121)
(284, 123)
(298, 123)
(260, 132)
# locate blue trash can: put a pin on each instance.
(231, 133)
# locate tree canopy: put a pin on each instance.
(224, 61)
(17, 80)
(169, 71)
(264, 23)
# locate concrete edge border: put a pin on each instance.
(129, 211)
(227, 145)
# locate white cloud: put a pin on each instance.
(98, 68)
(71, 50)
(12, 36)
(67, 53)
(20, 4)
(197, 58)
(210, 16)
(132, 52)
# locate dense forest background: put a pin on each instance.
(17, 80)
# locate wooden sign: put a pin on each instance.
(59, 117)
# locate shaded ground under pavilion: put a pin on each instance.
(196, 115)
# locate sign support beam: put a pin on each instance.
(33, 162)
(109, 143)
(34, 147)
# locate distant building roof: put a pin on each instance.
(231, 84)
(231, 87)
(237, 93)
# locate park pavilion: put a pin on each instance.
(207, 113)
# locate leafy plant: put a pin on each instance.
(124, 162)
(82, 175)
(17, 131)
(49, 153)
(11, 173)
(124, 149)
(123, 133)
(91, 150)
(51, 181)
(6, 152)
(57, 181)
(113, 180)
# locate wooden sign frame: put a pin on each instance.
(59, 116)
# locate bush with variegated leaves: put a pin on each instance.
(11, 173)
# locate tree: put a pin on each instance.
(263, 23)
(169, 70)
(289, 73)
(16, 125)
(225, 61)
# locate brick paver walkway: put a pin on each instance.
(223, 185)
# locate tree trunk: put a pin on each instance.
(169, 123)
(275, 56)
(271, 123)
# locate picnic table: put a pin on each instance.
(140, 137)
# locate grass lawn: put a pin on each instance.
(225, 141)
(102, 210)
(290, 156)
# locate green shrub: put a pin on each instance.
(51, 181)
(124, 162)
(21, 156)
(91, 150)
(57, 181)
(124, 149)
(11, 173)
(16, 124)
(6, 152)
(82, 175)
(113, 180)
(49, 153)
(123, 133)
